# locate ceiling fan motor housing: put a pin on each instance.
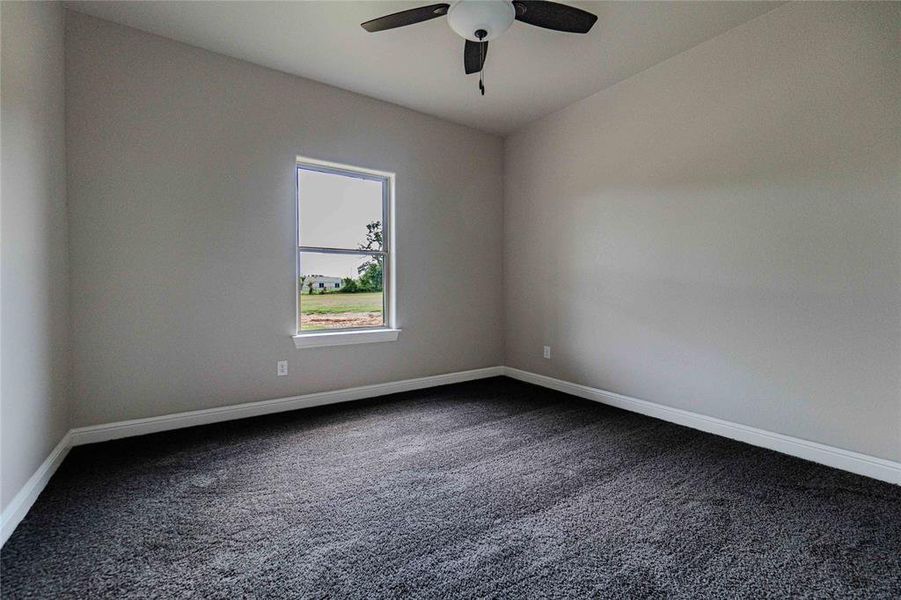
(488, 18)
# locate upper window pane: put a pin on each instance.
(336, 209)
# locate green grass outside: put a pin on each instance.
(328, 304)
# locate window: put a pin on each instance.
(344, 260)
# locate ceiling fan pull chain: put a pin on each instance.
(482, 70)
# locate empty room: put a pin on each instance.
(476, 299)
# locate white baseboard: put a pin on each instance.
(22, 502)
(861, 464)
(847, 460)
(121, 429)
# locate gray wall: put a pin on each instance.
(181, 191)
(34, 320)
(720, 233)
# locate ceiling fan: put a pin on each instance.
(480, 21)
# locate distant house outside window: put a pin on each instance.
(343, 253)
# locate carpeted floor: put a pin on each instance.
(486, 489)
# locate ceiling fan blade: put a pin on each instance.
(551, 15)
(474, 54)
(406, 17)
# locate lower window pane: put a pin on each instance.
(340, 291)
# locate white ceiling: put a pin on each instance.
(530, 72)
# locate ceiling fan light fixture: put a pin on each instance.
(488, 17)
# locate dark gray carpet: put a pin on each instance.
(486, 489)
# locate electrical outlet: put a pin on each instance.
(282, 368)
(547, 351)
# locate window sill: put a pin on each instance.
(343, 338)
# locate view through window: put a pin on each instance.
(342, 248)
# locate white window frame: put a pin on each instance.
(340, 337)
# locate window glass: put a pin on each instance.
(347, 291)
(335, 209)
(342, 251)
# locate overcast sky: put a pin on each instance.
(334, 212)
